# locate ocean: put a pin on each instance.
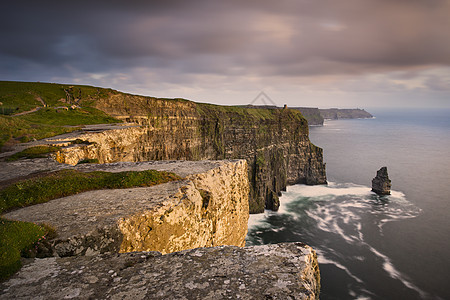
(370, 246)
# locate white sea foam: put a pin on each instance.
(324, 260)
(255, 220)
(394, 273)
(332, 189)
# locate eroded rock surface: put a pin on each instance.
(282, 271)
(208, 208)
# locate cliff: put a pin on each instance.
(312, 114)
(208, 208)
(316, 116)
(283, 271)
(335, 114)
(274, 142)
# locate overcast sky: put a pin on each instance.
(321, 53)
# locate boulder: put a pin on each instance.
(381, 184)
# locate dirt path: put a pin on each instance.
(27, 112)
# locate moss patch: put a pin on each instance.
(15, 238)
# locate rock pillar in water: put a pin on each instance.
(381, 184)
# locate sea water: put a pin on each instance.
(370, 246)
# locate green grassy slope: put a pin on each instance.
(54, 114)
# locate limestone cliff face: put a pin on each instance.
(208, 208)
(274, 142)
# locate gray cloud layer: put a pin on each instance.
(262, 39)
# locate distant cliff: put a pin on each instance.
(336, 113)
(316, 116)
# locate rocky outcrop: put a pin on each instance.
(208, 208)
(336, 113)
(381, 184)
(274, 142)
(283, 271)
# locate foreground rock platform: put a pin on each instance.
(281, 271)
(208, 208)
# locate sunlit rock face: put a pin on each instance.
(274, 142)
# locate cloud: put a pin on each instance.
(250, 43)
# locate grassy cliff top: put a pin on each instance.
(35, 110)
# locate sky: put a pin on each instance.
(318, 53)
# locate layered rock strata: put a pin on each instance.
(208, 208)
(282, 271)
(381, 184)
(274, 142)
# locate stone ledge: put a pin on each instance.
(169, 217)
(281, 271)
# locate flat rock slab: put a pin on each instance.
(182, 168)
(281, 271)
(25, 167)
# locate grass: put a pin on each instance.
(71, 117)
(22, 96)
(15, 238)
(15, 130)
(88, 161)
(246, 114)
(34, 152)
(69, 182)
(49, 121)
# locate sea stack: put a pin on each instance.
(381, 184)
